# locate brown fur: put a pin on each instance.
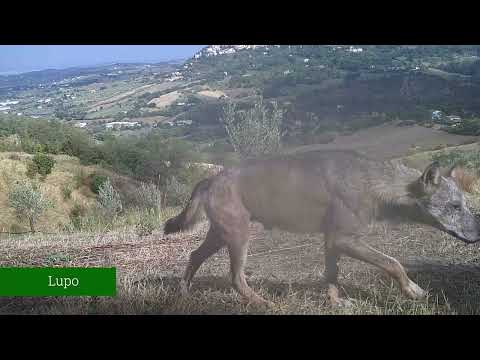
(334, 192)
(464, 180)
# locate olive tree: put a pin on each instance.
(29, 202)
(256, 131)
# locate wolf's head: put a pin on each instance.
(442, 200)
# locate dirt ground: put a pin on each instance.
(282, 267)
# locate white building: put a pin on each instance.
(9, 102)
(122, 124)
(354, 49)
(184, 122)
(437, 115)
(454, 119)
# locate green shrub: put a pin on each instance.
(96, 182)
(41, 164)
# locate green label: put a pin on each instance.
(57, 281)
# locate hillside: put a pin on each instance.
(67, 174)
(349, 87)
(323, 88)
(283, 267)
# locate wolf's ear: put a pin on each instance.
(457, 172)
(431, 175)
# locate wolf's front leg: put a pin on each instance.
(355, 248)
(332, 256)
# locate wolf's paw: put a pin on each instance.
(342, 303)
(334, 298)
(414, 292)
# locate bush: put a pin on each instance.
(177, 193)
(41, 164)
(109, 200)
(44, 164)
(28, 202)
(148, 196)
(257, 131)
(96, 182)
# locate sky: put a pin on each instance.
(23, 58)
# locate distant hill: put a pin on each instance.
(81, 75)
(345, 86)
(323, 88)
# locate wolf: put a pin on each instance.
(337, 193)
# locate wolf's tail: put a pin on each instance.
(191, 214)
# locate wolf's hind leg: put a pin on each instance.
(238, 248)
(212, 243)
(357, 249)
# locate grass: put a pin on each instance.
(56, 185)
(282, 267)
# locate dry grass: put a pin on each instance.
(284, 268)
(212, 93)
(165, 100)
(13, 168)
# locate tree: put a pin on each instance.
(29, 202)
(109, 199)
(256, 131)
